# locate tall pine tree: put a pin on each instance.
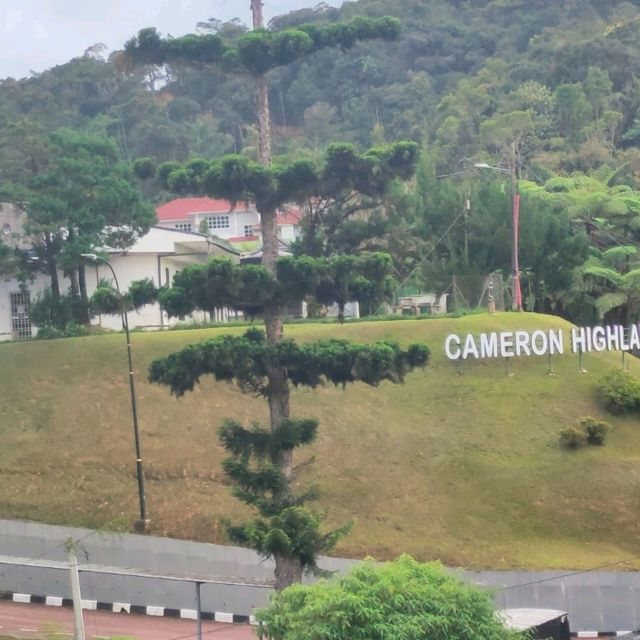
(261, 459)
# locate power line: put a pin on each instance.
(571, 573)
(33, 562)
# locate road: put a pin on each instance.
(29, 621)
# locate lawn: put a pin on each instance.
(458, 464)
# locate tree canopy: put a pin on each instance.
(260, 50)
(78, 195)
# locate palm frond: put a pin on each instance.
(631, 281)
(610, 276)
(609, 301)
(617, 255)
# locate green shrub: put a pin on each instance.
(46, 312)
(71, 330)
(105, 300)
(595, 430)
(400, 599)
(573, 438)
(619, 391)
(142, 292)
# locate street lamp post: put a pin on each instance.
(141, 524)
(516, 302)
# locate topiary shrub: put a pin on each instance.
(595, 430)
(573, 438)
(106, 300)
(619, 391)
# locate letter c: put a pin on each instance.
(452, 355)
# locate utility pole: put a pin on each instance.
(516, 302)
(467, 210)
(199, 611)
(78, 621)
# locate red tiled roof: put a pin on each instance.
(181, 208)
(292, 216)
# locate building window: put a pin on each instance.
(218, 222)
(248, 231)
(183, 226)
(20, 321)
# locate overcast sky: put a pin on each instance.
(38, 34)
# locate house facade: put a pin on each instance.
(239, 224)
(157, 255)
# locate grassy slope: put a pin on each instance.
(465, 468)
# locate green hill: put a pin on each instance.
(460, 465)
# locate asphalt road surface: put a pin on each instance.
(31, 621)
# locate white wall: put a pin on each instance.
(137, 267)
(288, 232)
(128, 268)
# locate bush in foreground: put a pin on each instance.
(401, 600)
(619, 391)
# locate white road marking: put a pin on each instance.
(32, 630)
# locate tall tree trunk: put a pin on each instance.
(83, 311)
(288, 568)
(52, 268)
(264, 121)
(288, 571)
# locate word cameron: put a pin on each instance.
(508, 344)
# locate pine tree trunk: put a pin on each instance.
(264, 123)
(288, 571)
(288, 568)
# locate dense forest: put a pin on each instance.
(553, 82)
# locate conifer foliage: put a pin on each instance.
(260, 458)
(258, 51)
(260, 464)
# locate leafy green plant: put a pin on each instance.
(572, 438)
(401, 599)
(619, 391)
(595, 430)
(106, 300)
(54, 317)
(142, 292)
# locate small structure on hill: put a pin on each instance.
(542, 624)
(422, 304)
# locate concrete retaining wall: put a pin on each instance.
(602, 601)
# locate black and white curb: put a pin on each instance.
(598, 634)
(125, 607)
(192, 614)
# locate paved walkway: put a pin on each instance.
(31, 621)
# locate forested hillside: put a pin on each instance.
(467, 80)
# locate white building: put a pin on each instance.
(158, 255)
(238, 225)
